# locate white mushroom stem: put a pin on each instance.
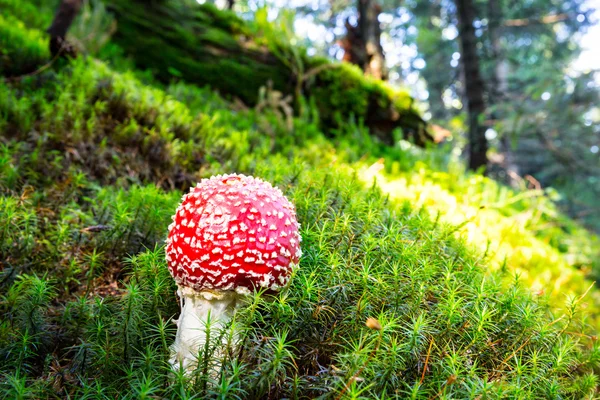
(193, 322)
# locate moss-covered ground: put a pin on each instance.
(480, 291)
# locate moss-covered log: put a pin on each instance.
(207, 46)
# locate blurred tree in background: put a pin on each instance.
(362, 44)
(541, 112)
(474, 88)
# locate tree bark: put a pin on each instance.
(473, 84)
(354, 47)
(362, 45)
(370, 30)
(66, 13)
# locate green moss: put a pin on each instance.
(203, 47)
(35, 14)
(22, 50)
(341, 90)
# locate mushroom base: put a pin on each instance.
(194, 329)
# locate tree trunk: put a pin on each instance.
(370, 31)
(473, 84)
(66, 13)
(354, 47)
(362, 45)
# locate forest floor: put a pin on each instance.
(481, 291)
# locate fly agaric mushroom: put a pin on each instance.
(231, 234)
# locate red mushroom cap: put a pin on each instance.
(233, 232)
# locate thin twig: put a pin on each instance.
(426, 361)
